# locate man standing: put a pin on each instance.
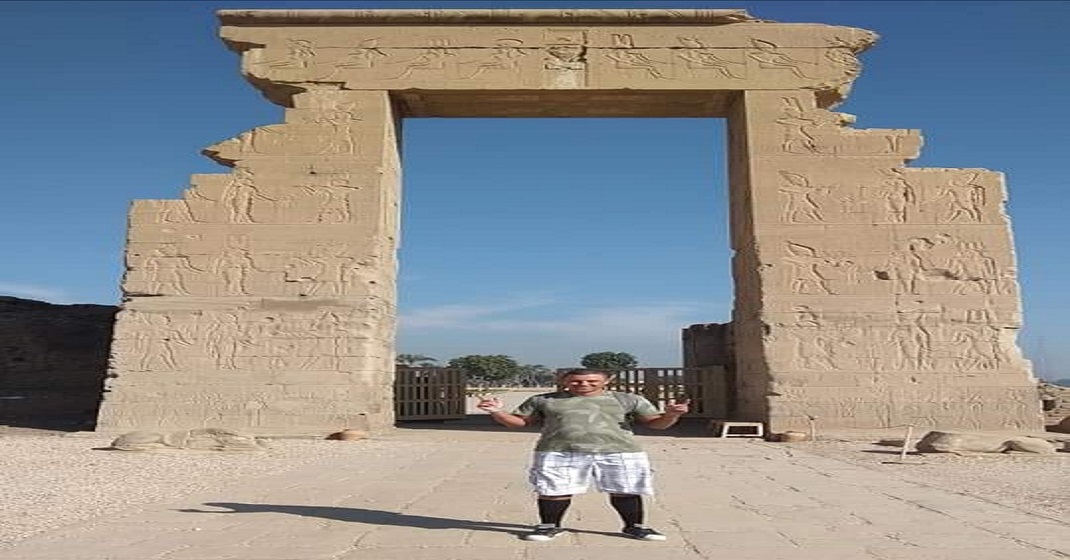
(587, 436)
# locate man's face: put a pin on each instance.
(586, 384)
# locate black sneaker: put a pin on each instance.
(543, 532)
(642, 532)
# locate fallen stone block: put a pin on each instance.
(965, 443)
(200, 439)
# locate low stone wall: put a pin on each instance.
(53, 359)
(1056, 403)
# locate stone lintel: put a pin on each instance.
(470, 17)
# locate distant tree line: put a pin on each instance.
(501, 370)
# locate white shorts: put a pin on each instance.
(555, 473)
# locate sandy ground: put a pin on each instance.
(1038, 484)
(50, 480)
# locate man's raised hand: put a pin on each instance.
(677, 408)
(490, 404)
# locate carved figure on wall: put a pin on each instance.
(850, 204)
(169, 340)
(171, 212)
(1007, 282)
(320, 272)
(167, 271)
(240, 194)
(913, 341)
(436, 57)
(801, 205)
(908, 268)
(820, 132)
(976, 347)
(565, 57)
(941, 258)
(807, 270)
(844, 57)
(333, 200)
(769, 56)
(699, 57)
(234, 264)
(965, 200)
(282, 344)
(973, 269)
(898, 196)
(804, 128)
(363, 56)
(330, 332)
(806, 317)
(224, 336)
(813, 350)
(798, 136)
(505, 56)
(300, 53)
(627, 57)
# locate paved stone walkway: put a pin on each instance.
(444, 495)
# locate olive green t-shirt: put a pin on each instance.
(598, 424)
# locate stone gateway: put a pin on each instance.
(867, 294)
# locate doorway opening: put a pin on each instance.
(545, 239)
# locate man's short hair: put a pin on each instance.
(586, 371)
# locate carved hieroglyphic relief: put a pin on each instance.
(843, 56)
(364, 56)
(433, 59)
(243, 340)
(505, 57)
(807, 131)
(699, 58)
(770, 57)
(924, 265)
(815, 271)
(920, 340)
(938, 264)
(626, 57)
(566, 58)
(889, 196)
(167, 272)
(803, 201)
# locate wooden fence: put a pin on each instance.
(707, 387)
(429, 394)
(439, 393)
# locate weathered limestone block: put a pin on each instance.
(880, 286)
(264, 300)
(204, 439)
(966, 443)
(731, 53)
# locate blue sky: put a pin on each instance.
(544, 239)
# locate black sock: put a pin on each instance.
(551, 511)
(630, 508)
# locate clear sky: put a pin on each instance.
(544, 239)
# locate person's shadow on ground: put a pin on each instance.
(375, 517)
(369, 516)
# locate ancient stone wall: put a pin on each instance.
(708, 344)
(53, 359)
(868, 294)
(1056, 399)
(264, 298)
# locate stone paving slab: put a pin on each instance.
(436, 496)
